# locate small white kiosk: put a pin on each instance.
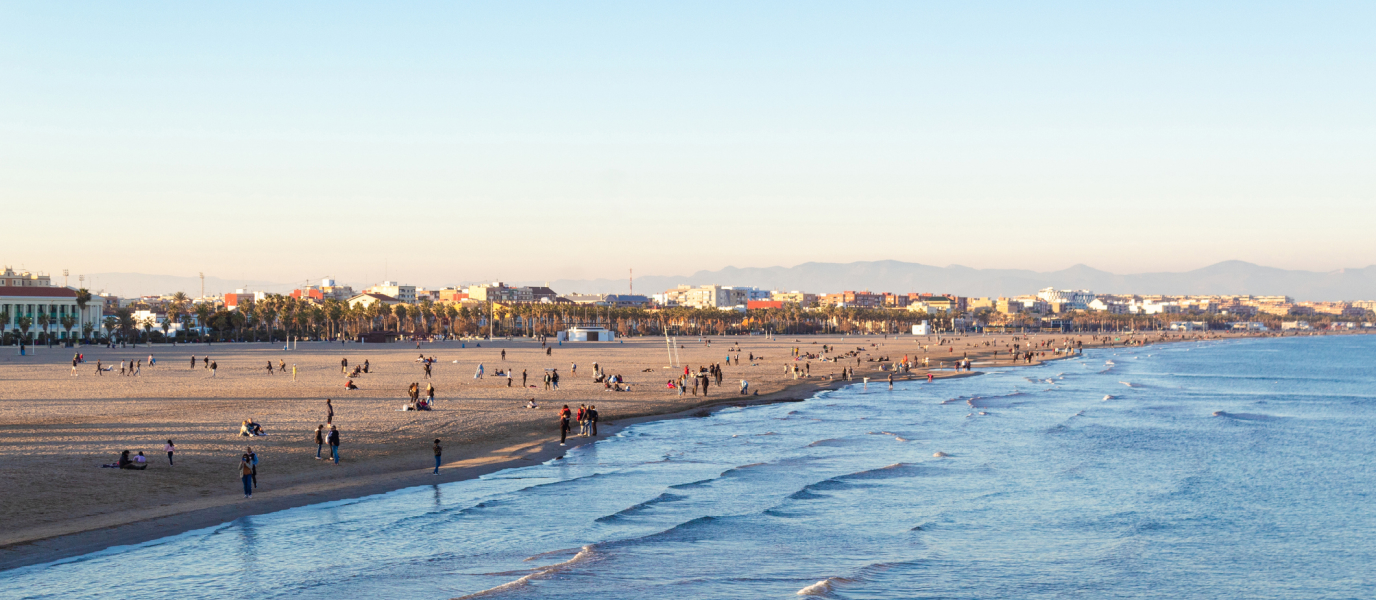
(587, 334)
(922, 329)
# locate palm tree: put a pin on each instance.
(43, 321)
(68, 322)
(83, 297)
(126, 324)
(203, 312)
(148, 324)
(110, 324)
(24, 324)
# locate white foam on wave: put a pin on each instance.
(822, 588)
(584, 554)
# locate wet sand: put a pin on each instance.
(57, 429)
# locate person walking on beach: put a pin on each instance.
(269, 367)
(170, 448)
(246, 475)
(99, 369)
(343, 366)
(293, 371)
(479, 373)
(437, 456)
(281, 366)
(503, 358)
(523, 379)
(427, 370)
(253, 463)
(508, 378)
(592, 419)
(329, 412)
(193, 362)
(564, 425)
(319, 440)
(214, 368)
(554, 379)
(334, 444)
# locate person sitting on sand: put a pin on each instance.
(250, 429)
(349, 385)
(531, 404)
(125, 463)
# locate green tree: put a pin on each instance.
(68, 322)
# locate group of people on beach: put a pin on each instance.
(586, 417)
(139, 462)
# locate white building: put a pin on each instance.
(923, 328)
(25, 295)
(1250, 326)
(1296, 325)
(404, 293)
(1073, 299)
(1189, 326)
(587, 334)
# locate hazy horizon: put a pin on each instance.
(443, 142)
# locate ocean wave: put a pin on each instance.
(634, 508)
(823, 588)
(586, 553)
(1246, 416)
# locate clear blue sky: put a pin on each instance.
(450, 142)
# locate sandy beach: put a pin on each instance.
(56, 429)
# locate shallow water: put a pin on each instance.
(1054, 491)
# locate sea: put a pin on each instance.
(1225, 469)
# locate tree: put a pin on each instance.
(68, 322)
(83, 297)
(24, 324)
(43, 321)
(203, 312)
(110, 323)
(126, 324)
(148, 324)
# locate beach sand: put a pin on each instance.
(57, 429)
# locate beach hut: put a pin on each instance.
(587, 334)
(923, 329)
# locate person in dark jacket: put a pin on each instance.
(438, 450)
(319, 440)
(252, 462)
(592, 419)
(334, 443)
(564, 424)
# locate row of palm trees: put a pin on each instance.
(278, 317)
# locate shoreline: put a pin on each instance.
(490, 460)
(480, 460)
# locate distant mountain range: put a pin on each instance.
(1229, 277)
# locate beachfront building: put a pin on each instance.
(1189, 326)
(852, 299)
(403, 293)
(587, 334)
(1067, 299)
(802, 299)
(707, 296)
(27, 299)
(1295, 325)
(1249, 326)
(368, 299)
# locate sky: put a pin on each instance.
(449, 142)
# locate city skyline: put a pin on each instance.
(581, 140)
